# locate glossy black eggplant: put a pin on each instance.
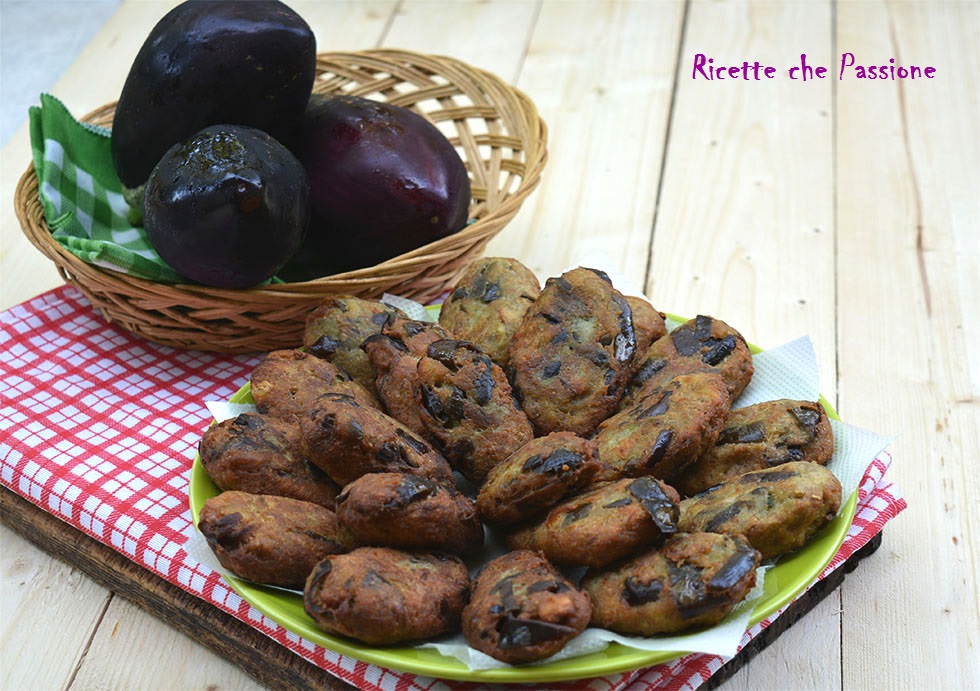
(228, 207)
(206, 62)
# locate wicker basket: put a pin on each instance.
(495, 128)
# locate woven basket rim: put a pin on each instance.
(536, 156)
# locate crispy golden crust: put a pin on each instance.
(777, 509)
(383, 596)
(604, 524)
(487, 304)
(336, 329)
(395, 354)
(702, 342)
(570, 358)
(263, 455)
(666, 430)
(286, 383)
(522, 609)
(273, 540)
(761, 436)
(347, 440)
(536, 477)
(467, 405)
(693, 580)
(648, 324)
(415, 335)
(410, 512)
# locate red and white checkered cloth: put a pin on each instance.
(99, 428)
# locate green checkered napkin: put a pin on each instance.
(82, 196)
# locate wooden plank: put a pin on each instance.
(908, 319)
(143, 647)
(489, 34)
(601, 75)
(34, 587)
(260, 656)
(745, 232)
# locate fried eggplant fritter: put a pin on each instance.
(336, 329)
(648, 324)
(410, 512)
(467, 405)
(693, 580)
(522, 609)
(699, 343)
(777, 509)
(536, 477)
(571, 356)
(286, 383)
(761, 436)
(395, 355)
(607, 523)
(268, 539)
(383, 596)
(263, 455)
(488, 302)
(665, 431)
(347, 440)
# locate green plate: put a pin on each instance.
(784, 581)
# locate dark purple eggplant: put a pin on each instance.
(383, 181)
(209, 62)
(228, 207)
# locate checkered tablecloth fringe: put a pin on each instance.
(100, 428)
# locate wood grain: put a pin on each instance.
(33, 584)
(908, 255)
(601, 74)
(741, 231)
(745, 235)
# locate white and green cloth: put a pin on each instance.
(83, 198)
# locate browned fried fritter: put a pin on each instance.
(383, 596)
(522, 609)
(761, 436)
(286, 383)
(536, 477)
(572, 354)
(347, 440)
(409, 511)
(605, 524)
(336, 329)
(648, 324)
(665, 431)
(777, 509)
(488, 302)
(693, 580)
(268, 539)
(467, 404)
(395, 355)
(263, 455)
(699, 343)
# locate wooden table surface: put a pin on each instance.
(843, 208)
